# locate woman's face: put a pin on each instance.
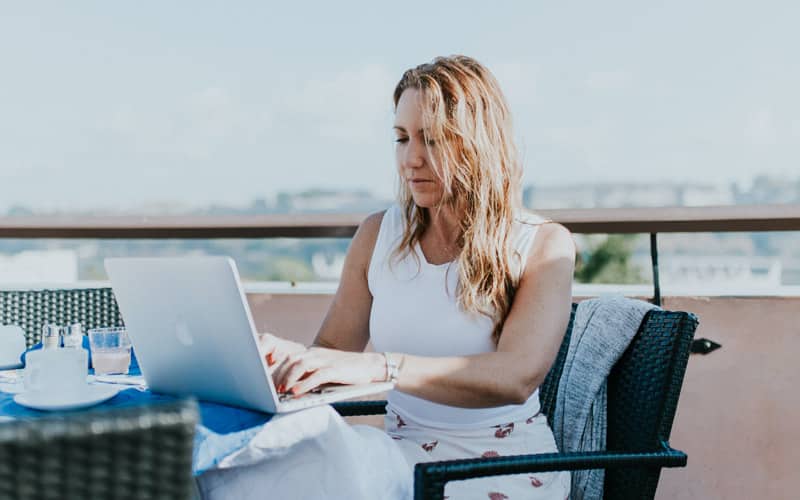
(413, 155)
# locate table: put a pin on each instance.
(222, 429)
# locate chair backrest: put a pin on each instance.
(643, 390)
(142, 452)
(30, 309)
(548, 390)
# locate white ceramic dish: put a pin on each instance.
(88, 396)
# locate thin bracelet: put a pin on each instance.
(392, 369)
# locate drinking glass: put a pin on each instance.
(111, 350)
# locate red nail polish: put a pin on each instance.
(281, 388)
(295, 390)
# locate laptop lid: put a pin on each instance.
(190, 324)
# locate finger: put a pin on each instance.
(269, 355)
(276, 377)
(297, 371)
(279, 355)
(284, 365)
(266, 346)
(276, 358)
(314, 380)
(278, 371)
(272, 363)
(300, 369)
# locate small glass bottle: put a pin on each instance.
(51, 336)
(73, 336)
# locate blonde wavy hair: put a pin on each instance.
(466, 116)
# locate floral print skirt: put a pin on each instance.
(419, 443)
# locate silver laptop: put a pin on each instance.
(193, 333)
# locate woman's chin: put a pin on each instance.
(425, 202)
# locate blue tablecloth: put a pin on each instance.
(222, 429)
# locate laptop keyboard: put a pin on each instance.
(288, 396)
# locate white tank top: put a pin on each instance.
(415, 311)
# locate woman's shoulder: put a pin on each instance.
(552, 241)
(392, 218)
(363, 243)
(370, 227)
(524, 229)
(529, 218)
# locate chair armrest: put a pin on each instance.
(430, 478)
(353, 408)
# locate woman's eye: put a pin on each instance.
(401, 140)
(430, 142)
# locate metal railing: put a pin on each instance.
(647, 220)
(583, 221)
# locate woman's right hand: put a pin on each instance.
(275, 349)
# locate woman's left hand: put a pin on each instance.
(303, 371)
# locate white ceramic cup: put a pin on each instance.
(55, 371)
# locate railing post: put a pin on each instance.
(654, 260)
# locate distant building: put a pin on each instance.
(600, 195)
(768, 190)
(327, 268)
(722, 271)
(791, 272)
(700, 195)
(330, 201)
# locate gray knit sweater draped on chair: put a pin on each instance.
(602, 331)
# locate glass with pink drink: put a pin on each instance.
(111, 350)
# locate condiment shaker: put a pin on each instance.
(51, 336)
(73, 336)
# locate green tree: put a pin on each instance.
(609, 262)
(287, 269)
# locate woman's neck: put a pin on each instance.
(445, 226)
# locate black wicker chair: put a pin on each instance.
(141, 452)
(643, 390)
(30, 309)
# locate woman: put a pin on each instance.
(465, 302)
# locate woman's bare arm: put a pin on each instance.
(530, 339)
(529, 342)
(346, 325)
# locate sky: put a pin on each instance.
(121, 104)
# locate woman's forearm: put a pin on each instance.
(478, 381)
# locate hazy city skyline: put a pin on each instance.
(197, 103)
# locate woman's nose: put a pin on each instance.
(415, 155)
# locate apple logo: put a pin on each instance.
(183, 335)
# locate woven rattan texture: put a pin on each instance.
(123, 454)
(431, 475)
(549, 387)
(30, 309)
(643, 390)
